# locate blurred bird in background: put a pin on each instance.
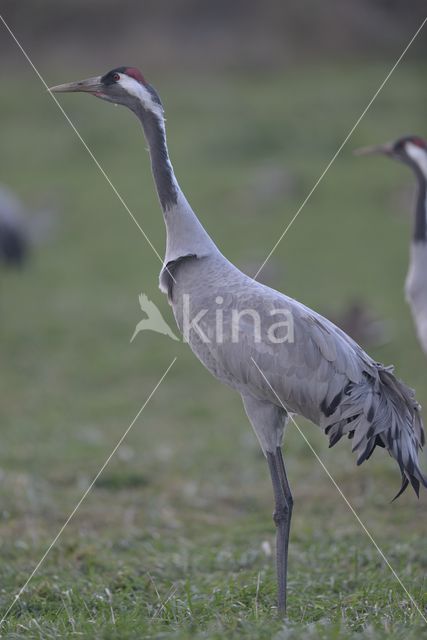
(359, 321)
(412, 151)
(14, 233)
(21, 228)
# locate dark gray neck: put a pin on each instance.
(420, 225)
(160, 164)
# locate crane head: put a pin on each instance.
(123, 85)
(411, 150)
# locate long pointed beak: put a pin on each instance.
(90, 85)
(378, 149)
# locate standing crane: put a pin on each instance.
(315, 370)
(412, 151)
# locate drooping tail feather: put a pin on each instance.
(382, 411)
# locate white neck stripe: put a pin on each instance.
(138, 90)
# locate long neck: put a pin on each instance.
(420, 224)
(166, 184)
(185, 233)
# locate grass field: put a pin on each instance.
(174, 540)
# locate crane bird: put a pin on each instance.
(412, 151)
(319, 372)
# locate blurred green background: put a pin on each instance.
(175, 539)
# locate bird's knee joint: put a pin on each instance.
(282, 514)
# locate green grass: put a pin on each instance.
(173, 540)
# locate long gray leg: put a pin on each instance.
(282, 517)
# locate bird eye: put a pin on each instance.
(116, 77)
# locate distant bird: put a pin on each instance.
(154, 320)
(412, 151)
(302, 365)
(358, 321)
(14, 237)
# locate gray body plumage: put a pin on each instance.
(322, 375)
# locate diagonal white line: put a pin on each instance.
(73, 512)
(84, 143)
(342, 145)
(381, 553)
